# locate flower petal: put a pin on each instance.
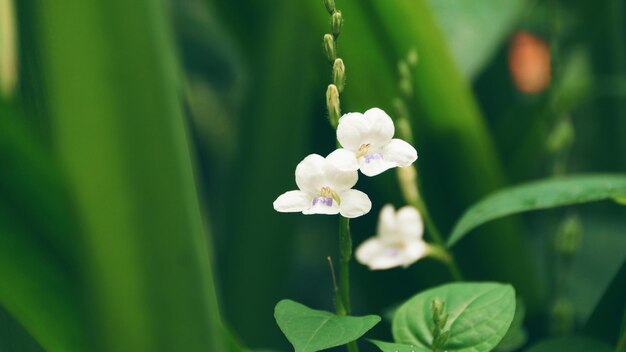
(377, 255)
(409, 223)
(380, 126)
(292, 201)
(376, 166)
(321, 208)
(399, 152)
(340, 180)
(414, 251)
(352, 130)
(387, 220)
(343, 159)
(354, 203)
(311, 173)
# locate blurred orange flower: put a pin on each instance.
(529, 62)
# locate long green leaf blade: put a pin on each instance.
(539, 195)
(119, 132)
(37, 289)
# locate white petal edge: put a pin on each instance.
(375, 167)
(352, 130)
(377, 255)
(343, 159)
(337, 179)
(386, 220)
(414, 251)
(354, 203)
(381, 127)
(400, 153)
(409, 222)
(292, 201)
(311, 173)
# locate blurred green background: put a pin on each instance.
(142, 144)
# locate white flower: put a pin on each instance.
(369, 139)
(398, 242)
(324, 189)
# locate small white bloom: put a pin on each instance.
(369, 138)
(324, 189)
(398, 242)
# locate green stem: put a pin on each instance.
(409, 185)
(345, 254)
(434, 233)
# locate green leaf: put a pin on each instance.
(516, 336)
(396, 347)
(620, 200)
(536, 195)
(472, 31)
(38, 289)
(13, 337)
(148, 279)
(479, 316)
(311, 330)
(571, 344)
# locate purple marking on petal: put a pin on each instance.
(392, 252)
(323, 200)
(373, 156)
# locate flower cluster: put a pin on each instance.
(325, 183)
(325, 187)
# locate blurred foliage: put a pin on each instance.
(120, 106)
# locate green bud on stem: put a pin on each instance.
(330, 47)
(561, 137)
(439, 319)
(412, 58)
(336, 22)
(339, 74)
(330, 6)
(332, 105)
(8, 49)
(569, 235)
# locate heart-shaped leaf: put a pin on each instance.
(311, 330)
(539, 195)
(396, 347)
(516, 336)
(479, 315)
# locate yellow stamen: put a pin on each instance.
(327, 192)
(363, 149)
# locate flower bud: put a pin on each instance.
(336, 22)
(406, 87)
(562, 316)
(439, 317)
(404, 69)
(561, 137)
(569, 235)
(412, 58)
(329, 47)
(339, 74)
(8, 49)
(332, 105)
(330, 6)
